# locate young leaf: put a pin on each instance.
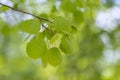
(66, 45)
(3, 8)
(54, 56)
(31, 26)
(48, 34)
(36, 48)
(56, 40)
(61, 25)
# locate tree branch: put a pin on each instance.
(41, 19)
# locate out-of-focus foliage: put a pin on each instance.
(90, 45)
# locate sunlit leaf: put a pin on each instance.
(66, 45)
(3, 8)
(56, 40)
(36, 48)
(54, 56)
(48, 34)
(60, 24)
(68, 6)
(31, 26)
(78, 16)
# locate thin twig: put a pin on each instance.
(41, 19)
(48, 29)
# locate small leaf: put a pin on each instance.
(54, 56)
(31, 26)
(61, 25)
(66, 45)
(36, 48)
(56, 40)
(48, 34)
(3, 8)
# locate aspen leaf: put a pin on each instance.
(31, 26)
(56, 40)
(3, 8)
(54, 56)
(36, 48)
(61, 25)
(48, 34)
(66, 45)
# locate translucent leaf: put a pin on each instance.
(78, 18)
(43, 15)
(30, 26)
(71, 6)
(36, 48)
(61, 25)
(66, 45)
(48, 34)
(54, 56)
(56, 40)
(3, 8)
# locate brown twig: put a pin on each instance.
(41, 19)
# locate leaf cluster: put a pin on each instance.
(49, 42)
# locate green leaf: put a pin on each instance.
(66, 45)
(78, 18)
(3, 8)
(60, 24)
(36, 48)
(68, 6)
(54, 56)
(48, 33)
(31, 26)
(56, 40)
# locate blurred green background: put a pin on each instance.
(97, 53)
